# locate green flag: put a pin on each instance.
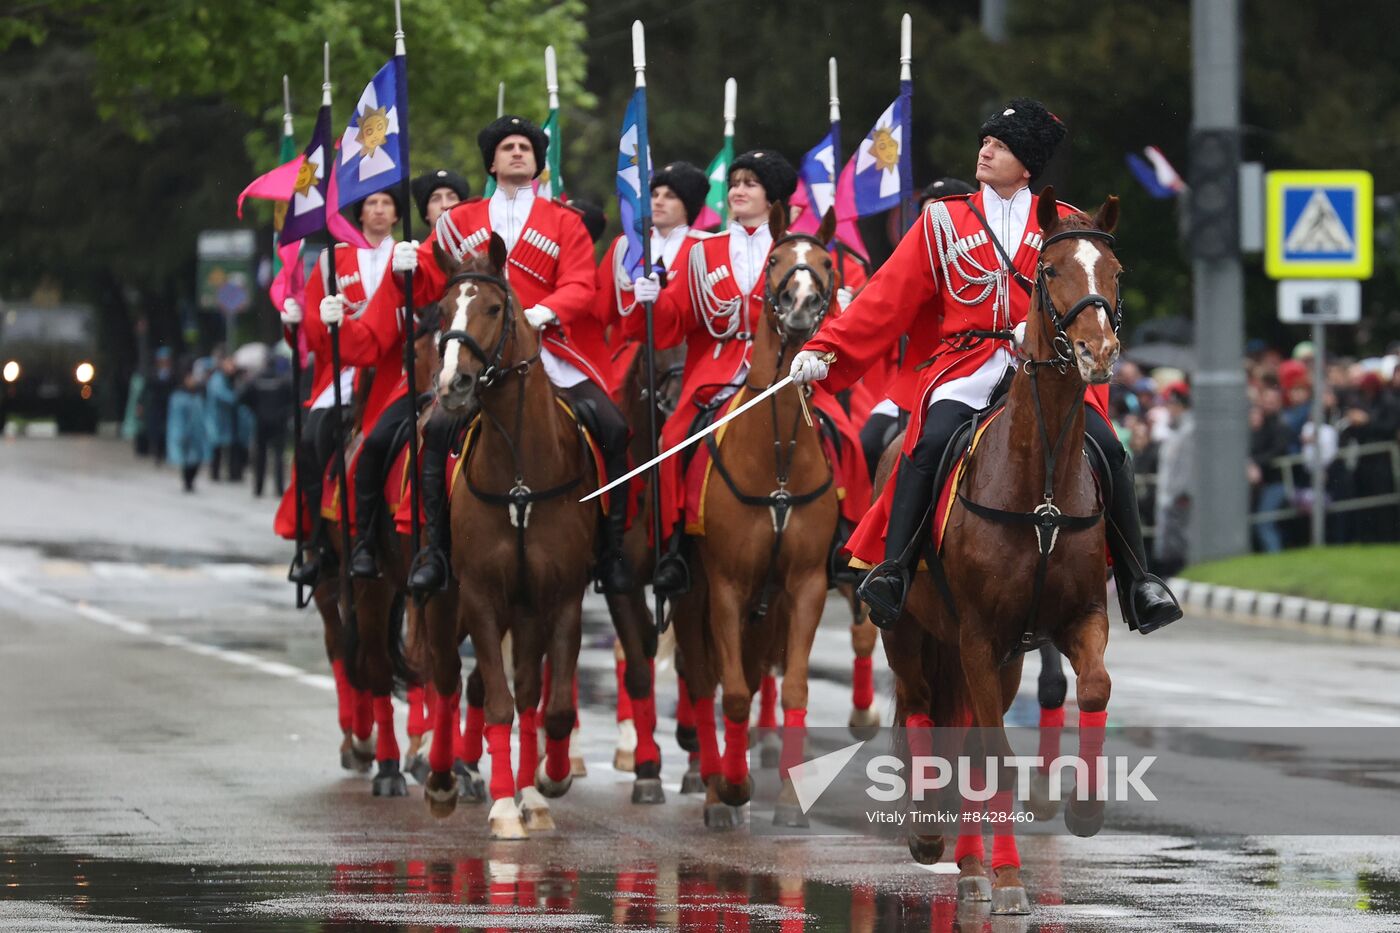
(285, 154)
(552, 178)
(716, 212)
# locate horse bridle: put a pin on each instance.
(492, 370)
(1064, 351)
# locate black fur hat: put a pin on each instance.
(424, 185)
(775, 174)
(688, 182)
(1029, 130)
(497, 130)
(944, 187)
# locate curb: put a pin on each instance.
(1213, 599)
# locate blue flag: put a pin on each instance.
(633, 191)
(371, 149)
(818, 173)
(880, 160)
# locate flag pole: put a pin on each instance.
(906, 93)
(332, 286)
(551, 77)
(295, 330)
(500, 100)
(639, 65)
(554, 158)
(834, 117)
(410, 354)
(731, 99)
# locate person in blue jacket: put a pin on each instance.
(186, 443)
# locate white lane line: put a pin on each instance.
(142, 630)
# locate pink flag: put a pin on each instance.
(708, 219)
(276, 185)
(290, 282)
(340, 228)
(846, 230)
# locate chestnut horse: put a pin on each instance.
(522, 546)
(1023, 549)
(760, 568)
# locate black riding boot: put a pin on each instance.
(363, 563)
(887, 583)
(672, 574)
(1146, 601)
(614, 574)
(430, 568)
(317, 549)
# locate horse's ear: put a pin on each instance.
(497, 253)
(1107, 217)
(777, 220)
(1047, 211)
(828, 227)
(444, 261)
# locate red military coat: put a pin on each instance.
(909, 295)
(350, 286)
(551, 265)
(702, 307)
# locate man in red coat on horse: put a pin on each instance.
(966, 266)
(550, 267)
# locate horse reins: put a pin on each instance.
(520, 498)
(780, 502)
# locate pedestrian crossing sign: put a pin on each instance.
(1319, 225)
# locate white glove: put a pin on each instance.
(647, 289)
(406, 256)
(1018, 336)
(540, 317)
(332, 310)
(844, 296)
(291, 313)
(808, 366)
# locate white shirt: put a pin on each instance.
(373, 264)
(748, 254)
(508, 214)
(1007, 217)
(664, 249)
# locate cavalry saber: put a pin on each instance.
(700, 435)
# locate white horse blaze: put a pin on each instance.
(1088, 256)
(804, 280)
(450, 350)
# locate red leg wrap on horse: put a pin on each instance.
(794, 740)
(417, 714)
(498, 742)
(471, 733)
(685, 713)
(1091, 728)
(736, 750)
(624, 701)
(364, 714)
(344, 696)
(445, 713)
(387, 747)
(709, 740)
(556, 758)
(919, 735)
(863, 683)
(1003, 831)
(970, 833)
(969, 843)
(644, 718)
(767, 702)
(529, 749)
(1052, 725)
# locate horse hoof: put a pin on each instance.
(864, 723)
(625, 756)
(505, 821)
(576, 767)
(347, 757)
(1010, 900)
(688, 739)
(417, 766)
(471, 787)
(790, 816)
(770, 749)
(624, 761)
(648, 790)
(723, 816)
(535, 809)
(1084, 818)
(692, 783)
(389, 782)
(362, 754)
(1040, 804)
(735, 795)
(440, 790)
(974, 889)
(926, 849)
(549, 788)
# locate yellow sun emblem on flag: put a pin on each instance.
(279, 216)
(306, 177)
(885, 149)
(374, 129)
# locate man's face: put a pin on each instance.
(440, 202)
(748, 202)
(515, 160)
(378, 215)
(667, 210)
(996, 166)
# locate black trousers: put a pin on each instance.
(318, 440)
(875, 437)
(373, 461)
(268, 443)
(610, 425)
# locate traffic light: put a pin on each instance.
(1215, 194)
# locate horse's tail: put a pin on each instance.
(398, 660)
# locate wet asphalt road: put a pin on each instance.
(170, 763)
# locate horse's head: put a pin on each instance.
(1077, 308)
(485, 339)
(800, 278)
